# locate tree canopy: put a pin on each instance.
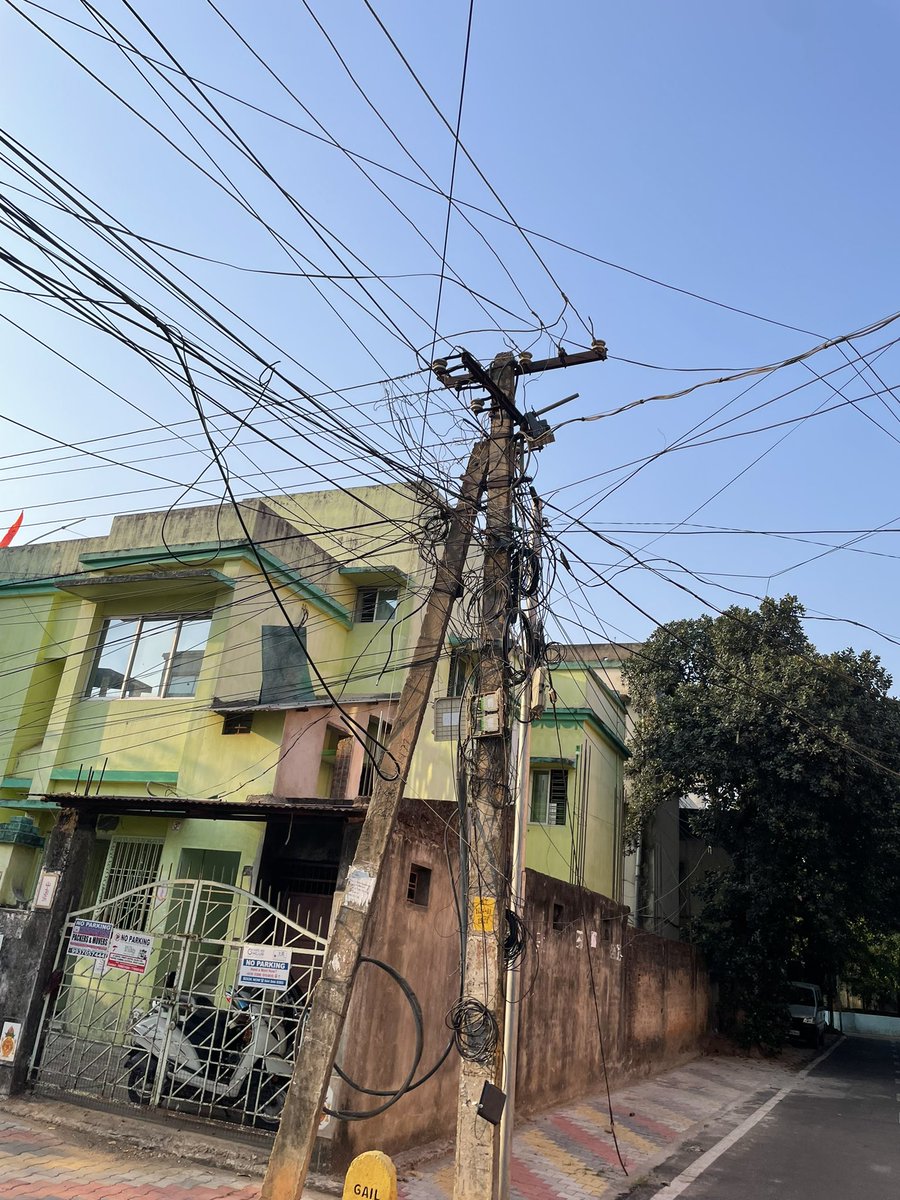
(796, 756)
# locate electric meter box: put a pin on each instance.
(487, 714)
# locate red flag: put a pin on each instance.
(13, 530)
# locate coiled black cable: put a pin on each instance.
(475, 1030)
(515, 942)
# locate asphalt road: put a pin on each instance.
(834, 1136)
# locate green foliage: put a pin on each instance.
(795, 754)
(872, 970)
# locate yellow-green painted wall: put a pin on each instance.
(585, 726)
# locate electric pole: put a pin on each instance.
(491, 469)
(289, 1161)
(521, 770)
(479, 1020)
(483, 1021)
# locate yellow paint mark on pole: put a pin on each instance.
(371, 1176)
(483, 914)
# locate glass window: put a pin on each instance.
(549, 795)
(187, 656)
(113, 656)
(798, 994)
(376, 604)
(149, 656)
(462, 667)
(152, 649)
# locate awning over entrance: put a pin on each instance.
(251, 809)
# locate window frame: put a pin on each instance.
(142, 860)
(552, 807)
(462, 669)
(418, 888)
(376, 590)
(178, 621)
(378, 731)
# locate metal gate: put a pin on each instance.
(185, 994)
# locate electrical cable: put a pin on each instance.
(346, 1114)
(475, 1030)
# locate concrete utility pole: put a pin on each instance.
(488, 814)
(490, 468)
(478, 1169)
(292, 1151)
(521, 774)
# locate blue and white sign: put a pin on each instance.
(264, 967)
(90, 939)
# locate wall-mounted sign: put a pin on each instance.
(90, 939)
(264, 967)
(9, 1040)
(129, 951)
(48, 882)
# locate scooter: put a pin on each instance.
(240, 1056)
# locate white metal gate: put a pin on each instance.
(186, 994)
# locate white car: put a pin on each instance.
(808, 1017)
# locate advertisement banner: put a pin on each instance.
(90, 939)
(265, 967)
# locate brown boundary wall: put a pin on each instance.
(652, 994)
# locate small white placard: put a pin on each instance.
(48, 881)
(359, 888)
(129, 951)
(264, 967)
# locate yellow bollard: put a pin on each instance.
(371, 1176)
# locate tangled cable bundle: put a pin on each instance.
(514, 944)
(475, 1030)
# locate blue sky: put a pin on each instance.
(744, 153)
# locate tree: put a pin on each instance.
(796, 755)
(872, 972)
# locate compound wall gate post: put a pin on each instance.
(31, 939)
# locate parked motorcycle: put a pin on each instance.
(240, 1056)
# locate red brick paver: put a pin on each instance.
(42, 1165)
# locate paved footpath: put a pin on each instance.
(570, 1153)
(566, 1154)
(39, 1162)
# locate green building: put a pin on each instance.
(193, 656)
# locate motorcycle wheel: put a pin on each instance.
(142, 1068)
(270, 1104)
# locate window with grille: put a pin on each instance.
(549, 797)
(419, 887)
(130, 863)
(376, 604)
(237, 722)
(142, 657)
